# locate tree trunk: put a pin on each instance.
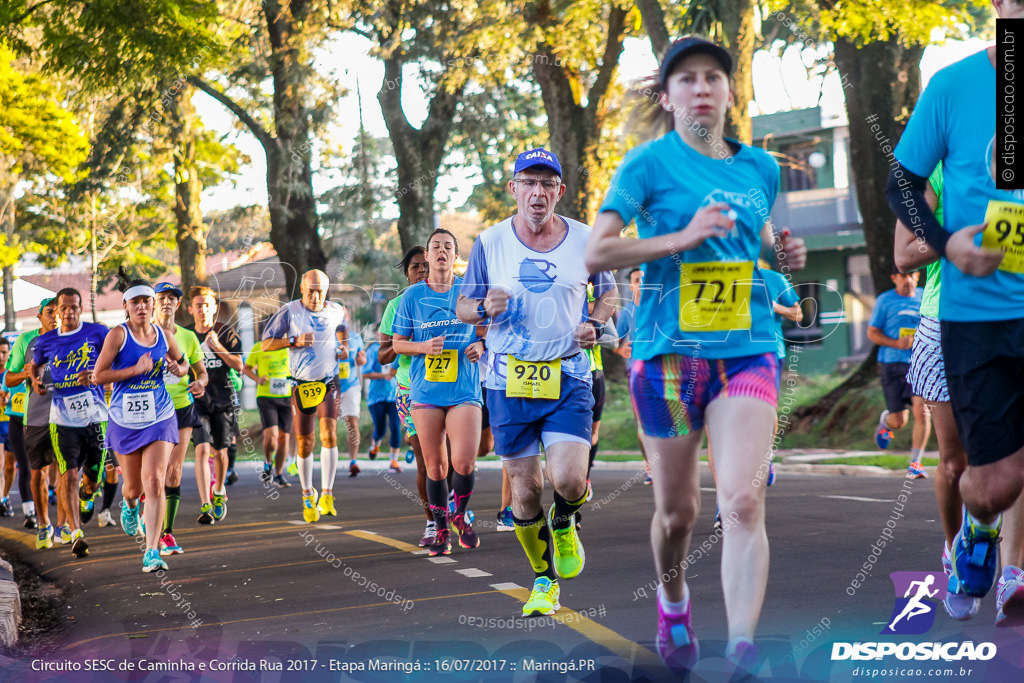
(190, 231)
(886, 79)
(654, 22)
(10, 315)
(574, 130)
(740, 36)
(418, 152)
(293, 217)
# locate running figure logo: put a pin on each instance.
(917, 594)
(76, 360)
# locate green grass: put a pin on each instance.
(889, 462)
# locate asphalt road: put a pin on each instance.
(263, 596)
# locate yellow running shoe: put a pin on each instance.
(568, 552)
(544, 598)
(309, 511)
(326, 505)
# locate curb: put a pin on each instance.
(10, 606)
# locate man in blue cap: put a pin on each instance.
(527, 283)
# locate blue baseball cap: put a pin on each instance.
(538, 157)
(168, 287)
(689, 45)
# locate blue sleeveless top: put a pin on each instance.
(141, 401)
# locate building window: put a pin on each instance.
(797, 173)
(809, 330)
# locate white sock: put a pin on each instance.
(881, 420)
(306, 472)
(29, 508)
(220, 492)
(674, 607)
(915, 454)
(328, 466)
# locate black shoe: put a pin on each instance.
(5, 508)
(267, 474)
(80, 548)
(232, 478)
(206, 514)
(30, 522)
(281, 482)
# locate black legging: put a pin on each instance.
(16, 437)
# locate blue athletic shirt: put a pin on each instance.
(661, 185)
(954, 122)
(310, 363)
(780, 289)
(141, 401)
(549, 294)
(424, 314)
(68, 353)
(19, 389)
(355, 345)
(378, 390)
(626, 321)
(894, 312)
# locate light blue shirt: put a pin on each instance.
(894, 312)
(780, 289)
(661, 185)
(954, 122)
(355, 345)
(378, 390)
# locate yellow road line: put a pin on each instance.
(590, 629)
(394, 543)
(263, 618)
(27, 540)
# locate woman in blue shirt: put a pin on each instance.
(703, 348)
(445, 386)
(142, 426)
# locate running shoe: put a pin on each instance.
(151, 561)
(79, 547)
(31, 522)
(62, 535)
(393, 467)
(718, 519)
(281, 482)
(771, 473)
(915, 471)
(467, 537)
(293, 468)
(87, 507)
(169, 546)
(206, 514)
(5, 508)
(745, 656)
(1010, 597)
(543, 598)
(231, 478)
(883, 437)
(129, 518)
(309, 508)
(975, 556)
(372, 453)
(676, 641)
(326, 505)
(268, 472)
(568, 553)
(44, 539)
(442, 544)
(647, 479)
(220, 506)
(410, 455)
(470, 515)
(505, 521)
(428, 534)
(590, 492)
(353, 469)
(106, 519)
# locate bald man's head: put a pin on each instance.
(314, 289)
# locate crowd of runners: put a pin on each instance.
(503, 358)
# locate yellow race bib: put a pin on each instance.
(533, 380)
(311, 394)
(907, 332)
(343, 370)
(715, 296)
(18, 403)
(443, 367)
(1005, 231)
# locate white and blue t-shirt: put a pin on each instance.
(355, 345)
(549, 296)
(661, 185)
(780, 289)
(378, 390)
(424, 314)
(954, 122)
(897, 316)
(310, 363)
(68, 354)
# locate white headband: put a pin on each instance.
(137, 290)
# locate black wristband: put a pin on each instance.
(598, 327)
(182, 359)
(291, 341)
